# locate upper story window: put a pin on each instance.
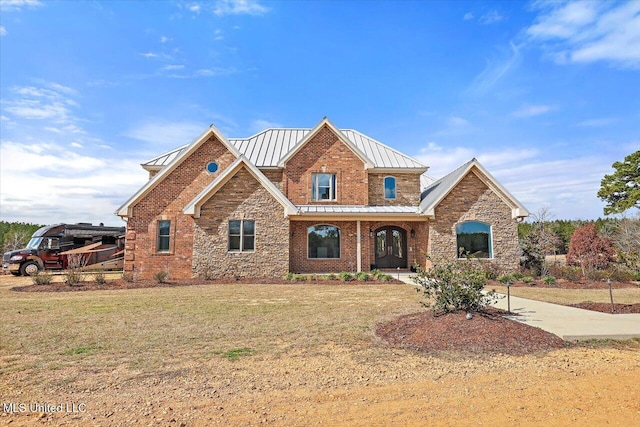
(242, 235)
(474, 240)
(164, 236)
(323, 186)
(389, 187)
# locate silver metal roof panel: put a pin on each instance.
(267, 148)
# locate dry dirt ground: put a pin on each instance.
(288, 355)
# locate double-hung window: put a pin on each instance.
(164, 236)
(324, 186)
(242, 235)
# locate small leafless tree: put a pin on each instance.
(16, 240)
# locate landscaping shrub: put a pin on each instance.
(454, 286)
(527, 280)
(99, 278)
(288, 276)
(491, 270)
(517, 275)
(345, 276)
(300, 277)
(41, 278)
(330, 276)
(622, 274)
(571, 274)
(362, 276)
(161, 276)
(73, 276)
(505, 278)
(549, 280)
(385, 277)
(130, 276)
(375, 273)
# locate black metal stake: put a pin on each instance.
(508, 297)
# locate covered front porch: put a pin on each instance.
(330, 242)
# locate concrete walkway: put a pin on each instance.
(568, 323)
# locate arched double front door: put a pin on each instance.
(391, 247)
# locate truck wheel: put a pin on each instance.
(29, 268)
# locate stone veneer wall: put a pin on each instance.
(407, 189)
(165, 202)
(472, 200)
(243, 197)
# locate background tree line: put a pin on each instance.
(15, 235)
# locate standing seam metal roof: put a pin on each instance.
(267, 148)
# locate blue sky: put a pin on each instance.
(545, 94)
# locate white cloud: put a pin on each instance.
(260, 125)
(217, 35)
(495, 70)
(599, 122)
(17, 5)
(468, 16)
(164, 39)
(161, 135)
(532, 110)
(3, 31)
(173, 67)
(63, 186)
(491, 17)
(194, 8)
(239, 7)
(587, 32)
(40, 103)
(149, 55)
(567, 186)
(76, 145)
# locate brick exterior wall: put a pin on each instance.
(298, 246)
(325, 153)
(243, 197)
(472, 200)
(416, 246)
(165, 202)
(407, 189)
(298, 249)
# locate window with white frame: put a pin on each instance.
(389, 187)
(242, 235)
(474, 240)
(324, 241)
(164, 236)
(323, 186)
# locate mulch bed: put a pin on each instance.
(120, 284)
(605, 307)
(487, 332)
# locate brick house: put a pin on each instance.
(310, 200)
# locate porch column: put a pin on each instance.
(359, 246)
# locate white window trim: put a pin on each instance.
(339, 242)
(395, 187)
(332, 188)
(491, 252)
(241, 250)
(158, 236)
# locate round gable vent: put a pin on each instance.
(212, 167)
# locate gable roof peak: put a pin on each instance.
(437, 191)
